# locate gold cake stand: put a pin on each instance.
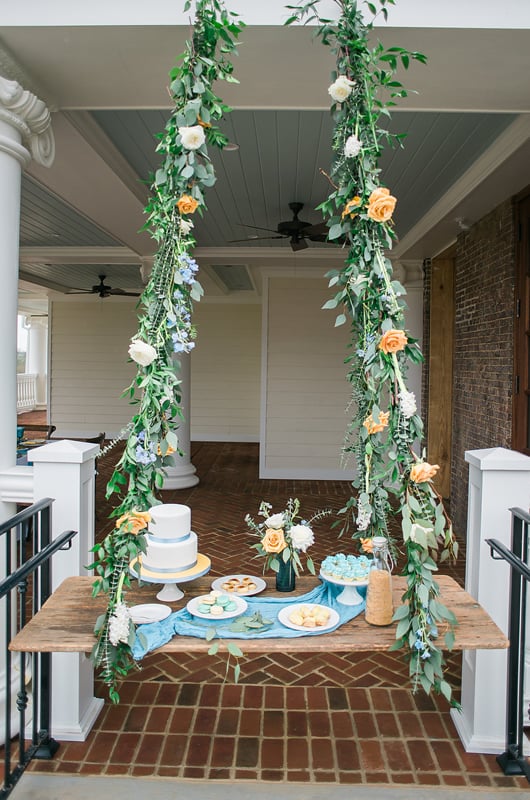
(170, 590)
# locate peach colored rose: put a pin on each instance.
(381, 205)
(376, 427)
(355, 202)
(367, 545)
(423, 472)
(273, 541)
(392, 341)
(134, 521)
(170, 450)
(187, 204)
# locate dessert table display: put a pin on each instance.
(66, 622)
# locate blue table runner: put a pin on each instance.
(155, 634)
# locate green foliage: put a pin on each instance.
(165, 328)
(385, 425)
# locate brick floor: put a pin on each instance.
(345, 718)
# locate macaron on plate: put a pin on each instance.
(216, 605)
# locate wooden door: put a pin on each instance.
(521, 382)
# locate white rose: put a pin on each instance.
(141, 352)
(341, 88)
(192, 138)
(276, 522)
(185, 225)
(352, 147)
(301, 537)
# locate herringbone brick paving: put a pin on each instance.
(326, 719)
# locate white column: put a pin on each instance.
(65, 470)
(38, 355)
(25, 132)
(183, 474)
(499, 479)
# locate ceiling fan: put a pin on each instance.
(294, 229)
(103, 290)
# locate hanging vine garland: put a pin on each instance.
(165, 326)
(391, 478)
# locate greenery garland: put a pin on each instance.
(165, 327)
(392, 478)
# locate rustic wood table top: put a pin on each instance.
(66, 622)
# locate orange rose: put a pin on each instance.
(423, 472)
(367, 545)
(355, 202)
(273, 541)
(134, 521)
(169, 451)
(392, 341)
(187, 204)
(381, 205)
(376, 427)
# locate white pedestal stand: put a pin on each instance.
(170, 591)
(349, 595)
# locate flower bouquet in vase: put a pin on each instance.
(282, 537)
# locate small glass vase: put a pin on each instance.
(285, 577)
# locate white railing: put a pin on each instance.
(26, 392)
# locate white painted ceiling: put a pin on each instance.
(467, 145)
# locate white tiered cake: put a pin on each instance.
(171, 544)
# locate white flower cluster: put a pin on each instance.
(341, 89)
(142, 352)
(119, 623)
(276, 522)
(193, 137)
(407, 404)
(302, 537)
(185, 225)
(364, 515)
(352, 146)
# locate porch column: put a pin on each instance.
(25, 133)
(38, 356)
(183, 474)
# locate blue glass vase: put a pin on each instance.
(286, 576)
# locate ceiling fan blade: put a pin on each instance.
(123, 293)
(321, 229)
(79, 291)
(258, 227)
(255, 238)
(298, 244)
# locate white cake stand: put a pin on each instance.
(170, 590)
(349, 595)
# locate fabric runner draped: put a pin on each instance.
(153, 635)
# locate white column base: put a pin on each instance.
(180, 477)
(79, 731)
(474, 743)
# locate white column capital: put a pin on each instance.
(408, 272)
(29, 116)
(33, 321)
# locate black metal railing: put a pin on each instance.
(513, 761)
(27, 556)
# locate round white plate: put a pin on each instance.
(260, 585)
(286, 611)
(195, 602)
(149, 612)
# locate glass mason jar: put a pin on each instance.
(379, 607)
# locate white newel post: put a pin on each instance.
(25, 133)
(65, 470)
(499, 479)
(183, 474)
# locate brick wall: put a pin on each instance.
(483, 357)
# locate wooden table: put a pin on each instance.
(66, 622)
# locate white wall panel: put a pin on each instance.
(90, 367)
(225, 373)
(305, 390)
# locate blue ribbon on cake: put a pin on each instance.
(181, 623)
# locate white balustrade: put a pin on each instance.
(26, 392)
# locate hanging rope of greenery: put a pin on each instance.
(391, 478)
(165, 327)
